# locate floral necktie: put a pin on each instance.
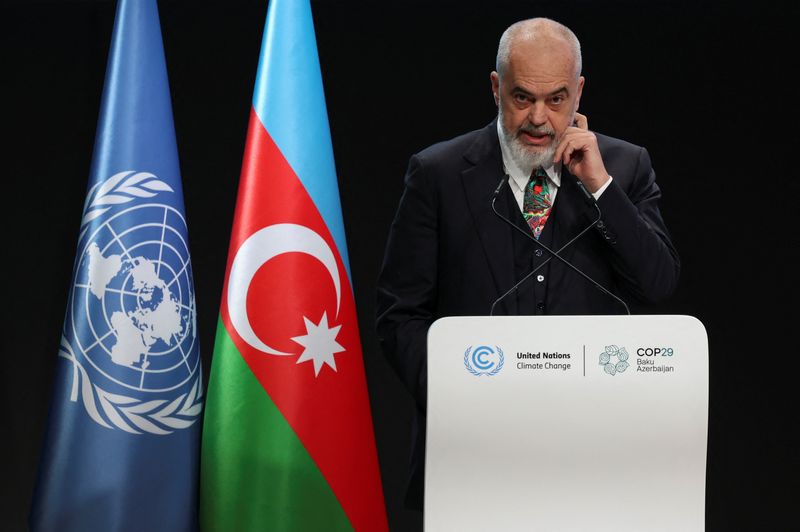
(536, 204)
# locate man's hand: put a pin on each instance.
(578, 151)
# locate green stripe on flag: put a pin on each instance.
(255, 472)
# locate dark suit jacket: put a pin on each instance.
(449, 254)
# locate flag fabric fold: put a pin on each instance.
(121, 449)
(288, 441)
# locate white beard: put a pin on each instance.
(523, 156)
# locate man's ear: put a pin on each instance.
(495, 79)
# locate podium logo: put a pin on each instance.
(614, 359)
(483, 360)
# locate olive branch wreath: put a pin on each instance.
(131, 414)
(121, 188)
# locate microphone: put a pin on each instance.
(591, 201)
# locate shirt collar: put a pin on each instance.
(516, 174)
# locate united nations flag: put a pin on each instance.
(121, 451)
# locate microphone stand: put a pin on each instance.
(590, 199)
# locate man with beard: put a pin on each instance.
(451, 253)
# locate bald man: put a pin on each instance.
(453, 251)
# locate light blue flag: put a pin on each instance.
(122, 444)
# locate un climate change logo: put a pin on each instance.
(484, 360)
(131, 326)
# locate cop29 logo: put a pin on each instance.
(483, 360)
(614, 359)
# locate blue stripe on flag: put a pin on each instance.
(290, 102)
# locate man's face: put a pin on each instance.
(537, 98)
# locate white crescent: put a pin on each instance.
(260, 247)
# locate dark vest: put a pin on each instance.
(532, 294)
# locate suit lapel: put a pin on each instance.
(570, 213)
(479, 183)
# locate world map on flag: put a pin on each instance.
(155, 317)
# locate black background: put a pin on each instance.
(705, 86)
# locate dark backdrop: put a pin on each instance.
(704, 85)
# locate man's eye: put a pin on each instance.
(557, 100)
(520, 98)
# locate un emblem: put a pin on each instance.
(131, 328)
(483, 360)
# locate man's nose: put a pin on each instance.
(537, 115)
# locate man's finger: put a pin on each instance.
(567, 155)
(564, 150)
(559, 151)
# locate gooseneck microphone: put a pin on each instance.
(590, 200)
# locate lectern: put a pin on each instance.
(577, 423)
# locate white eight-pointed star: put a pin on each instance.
(320, 343)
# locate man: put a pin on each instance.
(450, 252)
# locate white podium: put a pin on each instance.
(551, 423)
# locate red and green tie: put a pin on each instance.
(536, 204)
